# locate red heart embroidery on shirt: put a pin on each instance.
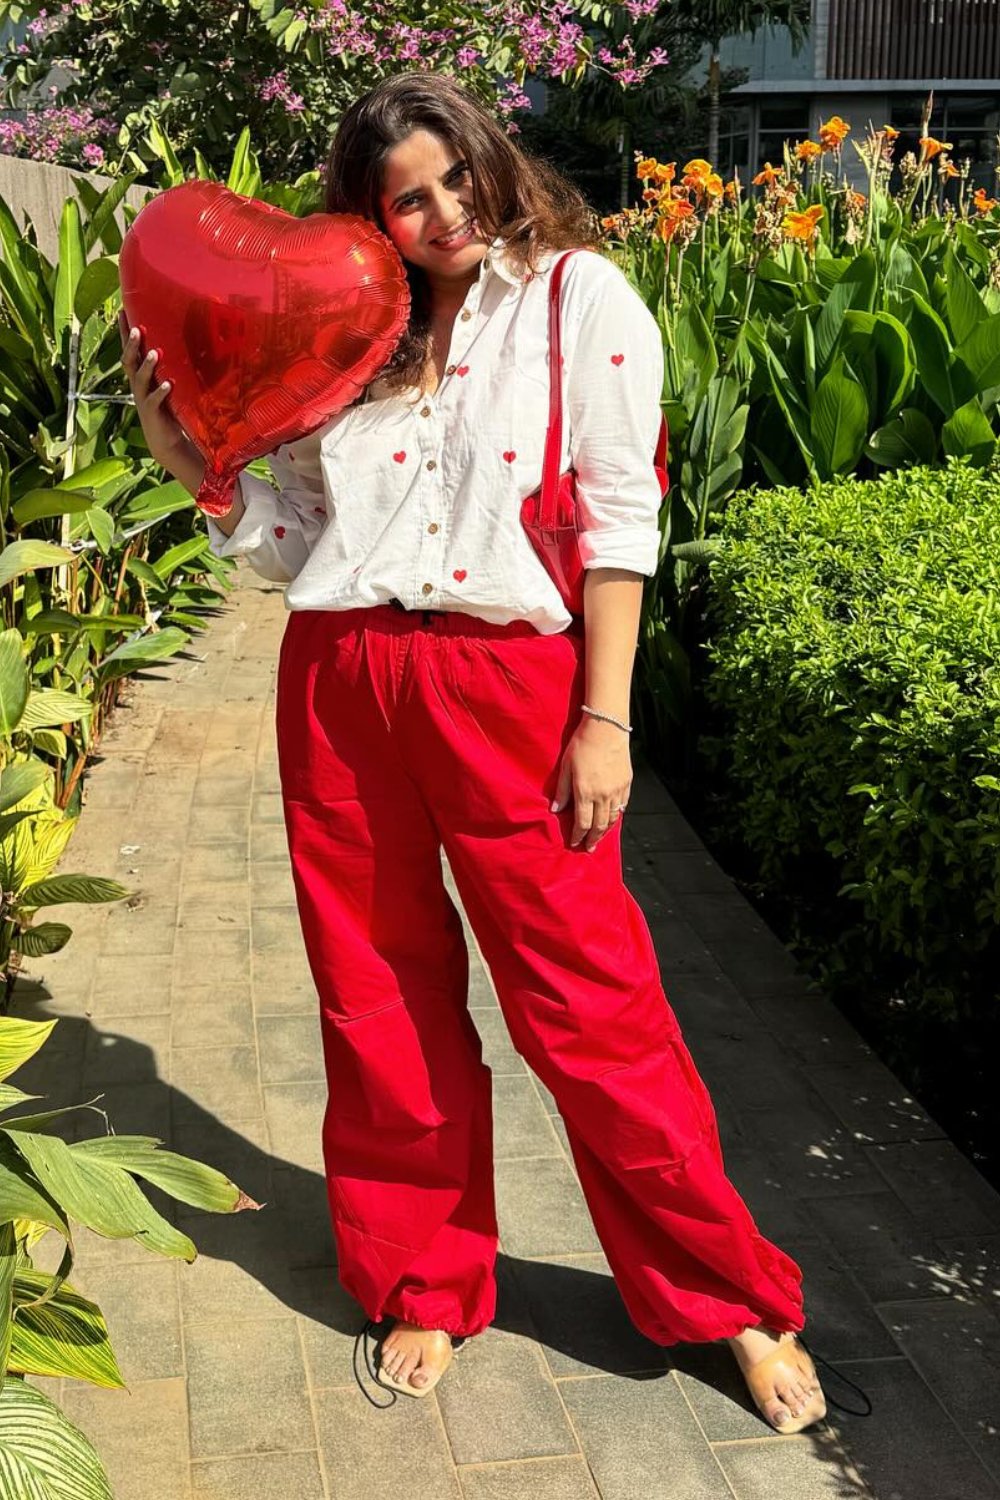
(462, 370)
(399, 457)
(616, 359)
(279, 532)
(459, 575)
(509, 457)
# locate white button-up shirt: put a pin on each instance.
(418, 497)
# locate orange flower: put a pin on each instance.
(769, 175)
(732, 190)
(649, 195)
(646, 167)
(931, 148)
(890, 132)
(675, 211)
(808, 150)
(949, 169)
(713, 185)
(803, 226)
(665, 172)
(610, 222)
(698, 168)
(856, 200)
(981, 203)
(833, 133)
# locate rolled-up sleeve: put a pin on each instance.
(278, 528)
(612, 389)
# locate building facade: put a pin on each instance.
(871, 61)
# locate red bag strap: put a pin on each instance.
(548, 509)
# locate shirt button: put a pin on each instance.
(431, 464)
(428, 588)
(425, 411)
(432, 528)
(466, 315)
(450, 370)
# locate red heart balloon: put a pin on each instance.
(266, 325)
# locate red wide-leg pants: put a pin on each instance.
(399, 734)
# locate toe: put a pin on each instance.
(407, 1366)
(777, 1413)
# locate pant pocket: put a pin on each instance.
(377, 1072)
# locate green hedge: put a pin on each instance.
(854, 652)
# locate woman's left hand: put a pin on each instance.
(596, 770)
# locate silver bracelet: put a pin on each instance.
(606, 718)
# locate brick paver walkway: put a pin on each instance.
(192, 1012)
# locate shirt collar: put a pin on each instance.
(498, 260)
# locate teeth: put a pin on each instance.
(447, 239)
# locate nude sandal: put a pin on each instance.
(760, 1383)
(375, 1372)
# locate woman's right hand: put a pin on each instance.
(167, 441)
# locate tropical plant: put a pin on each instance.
(47, 1328)
(813, 332)
(288, 72)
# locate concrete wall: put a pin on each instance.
(36, 190)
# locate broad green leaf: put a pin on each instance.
(72, 259)
(164, 500)
(183, 1178)
(17, 780)
(98, 282)
(909, 439)
(40, 505)
(101, 1196)
(102, 528)
(21, 1197)
(59, 889)
(52, 741)
(839, 421)
(14, 682)
(184, 552)
(132, 654)
(45, 938)
(855, 289)
(143, 571)
(50, 707)
(10, 1097)
(42, 1455)
(946, 381)
(966, 309)
(64, 1335)
(102, 224)
(20, 1040)
(8, 1264)
(969, 432)
(241, 167)
(95, 476)
(980, 353)
(23, 556)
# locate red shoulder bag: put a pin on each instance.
(550, 514)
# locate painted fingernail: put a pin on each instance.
(166, 385)
(553, 807)
(133, 333)
(151, 357)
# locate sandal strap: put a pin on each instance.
(361, 1346)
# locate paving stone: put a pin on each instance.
(809, 1026)
(140, 934)
(521, 1126)
(679, 948)
(240, 1272)
(813, 1468)
(329, 1321)
(871, 1102)
(482, 995)
(247, 1388)
(940, 1187)
(295, 1475)
(219, 1080)
(710, 1380)
(291, 1049)
(358, 1442)
(975, 1261)
(133, 1109)
(134, 1048)
(581, 1319)
(655, 832)
(268, 841)
(498, 1050)
(283, 985)
(765, 1189)
(542, 1209)
(709, 1004)
(233, 790)
(141, 1435)
(224, 956)
(208, 864)
(890, 1253)
(648, 794)
(499, 1402)
(956, 1347)
(141, 1307)
(909, 1449)
(640, 1439)
(294, 1114)
(218, 824)
(267, 808)
(841, 1321)
(737, 937)
(210, 1016)
(536, 1479)
(276, 931)
(812, 1149)
(240, 1152)
(301, 1204)
(692, 872)
(213, 906)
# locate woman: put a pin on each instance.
(433, 692)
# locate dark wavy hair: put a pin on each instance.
(518, 197)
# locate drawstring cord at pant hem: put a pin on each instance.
(832, 1400)
(361, 1346)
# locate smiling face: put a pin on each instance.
(427, 194)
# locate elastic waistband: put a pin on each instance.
(390, 620)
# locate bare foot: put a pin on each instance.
(414, 1357)
(781, 1378)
